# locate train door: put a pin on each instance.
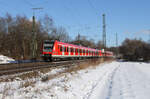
(71, 50)
(80, 50)
(67, 50)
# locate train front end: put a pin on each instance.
(47, 50)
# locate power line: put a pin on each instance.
(30, 4)
(92, 6)
(73, 14)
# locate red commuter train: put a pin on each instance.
(53, 50)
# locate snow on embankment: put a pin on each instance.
(74, 85)
(130, 80)
(116, 80)
(5, 59)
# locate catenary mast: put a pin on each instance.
(104, 32)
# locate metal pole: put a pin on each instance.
(104, 32)
(34, 42)
(34, 35)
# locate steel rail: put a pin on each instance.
(24, 68)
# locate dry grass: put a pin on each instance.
(32, 74)
(73, 69)
(90, 63)
(27, 84)
(45, 70)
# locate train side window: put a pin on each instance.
(61, 48)
(58, 47)
(67, 49)
(71, 50)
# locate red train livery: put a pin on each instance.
(59, 50)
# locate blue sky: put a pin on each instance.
(128, 18)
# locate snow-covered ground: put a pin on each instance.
(115, 80)
(5, 59)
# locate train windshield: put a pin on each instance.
(48, 45)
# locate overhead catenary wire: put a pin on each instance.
(27, 2)
(93, 7)
(75, 14)
(79, 27)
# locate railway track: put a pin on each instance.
(7, 69)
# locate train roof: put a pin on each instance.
(67, 44)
